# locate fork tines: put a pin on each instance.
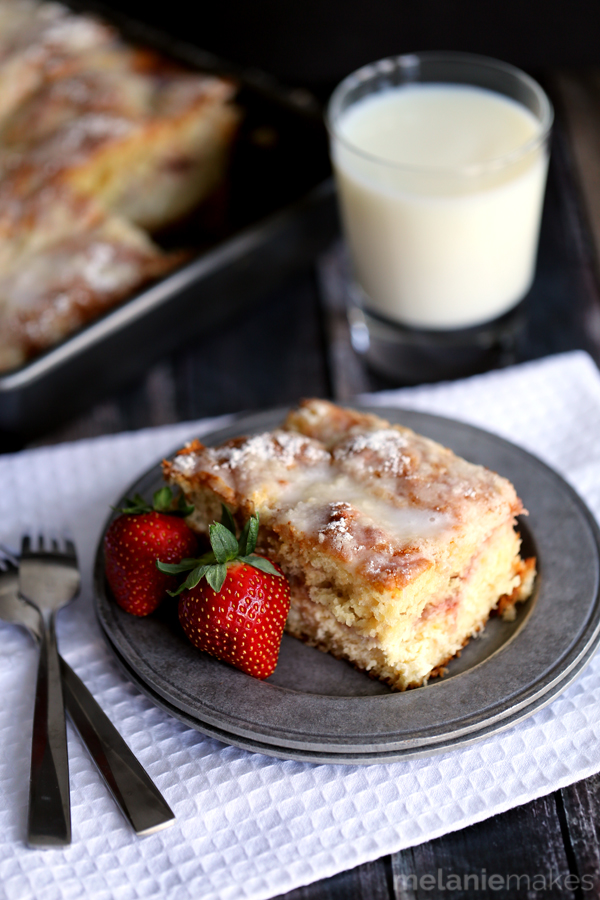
(48, 545)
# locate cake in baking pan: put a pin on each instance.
(101, 146)
(396, 549)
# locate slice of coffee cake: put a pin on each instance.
(396, 549)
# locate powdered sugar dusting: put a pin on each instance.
(337, 529)
(271, 459)
(385, 562)
(73, 143)
(320, 494)
(185, 463)
(353, 522)
(282, 447)
(382, 450)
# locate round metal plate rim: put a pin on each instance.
(581, 617)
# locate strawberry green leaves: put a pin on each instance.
(260, 562)
(227, 520)
(162, 502)
(247, 541)
(226, 548)
(223, 543)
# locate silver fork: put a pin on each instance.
(133, 790)
(49, 579)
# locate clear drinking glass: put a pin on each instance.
(443, 248)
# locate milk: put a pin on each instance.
(441, 189)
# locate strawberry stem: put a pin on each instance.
(162, 499)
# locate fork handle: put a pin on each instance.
(134, 792)
(49, 822)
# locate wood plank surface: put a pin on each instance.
(581, 809)
(371, 881)
(519, 854)
(577, 97)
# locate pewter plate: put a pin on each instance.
(320, 709)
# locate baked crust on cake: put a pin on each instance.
(101, 145)
(396, 549)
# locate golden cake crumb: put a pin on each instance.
(396, 549)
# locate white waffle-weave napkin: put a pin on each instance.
(249, 826)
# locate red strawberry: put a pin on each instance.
(241, 624)
(135, 540)
(234, 603)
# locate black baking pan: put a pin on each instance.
(276, 213)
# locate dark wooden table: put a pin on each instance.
(295, 343)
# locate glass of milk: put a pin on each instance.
(440, 162)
